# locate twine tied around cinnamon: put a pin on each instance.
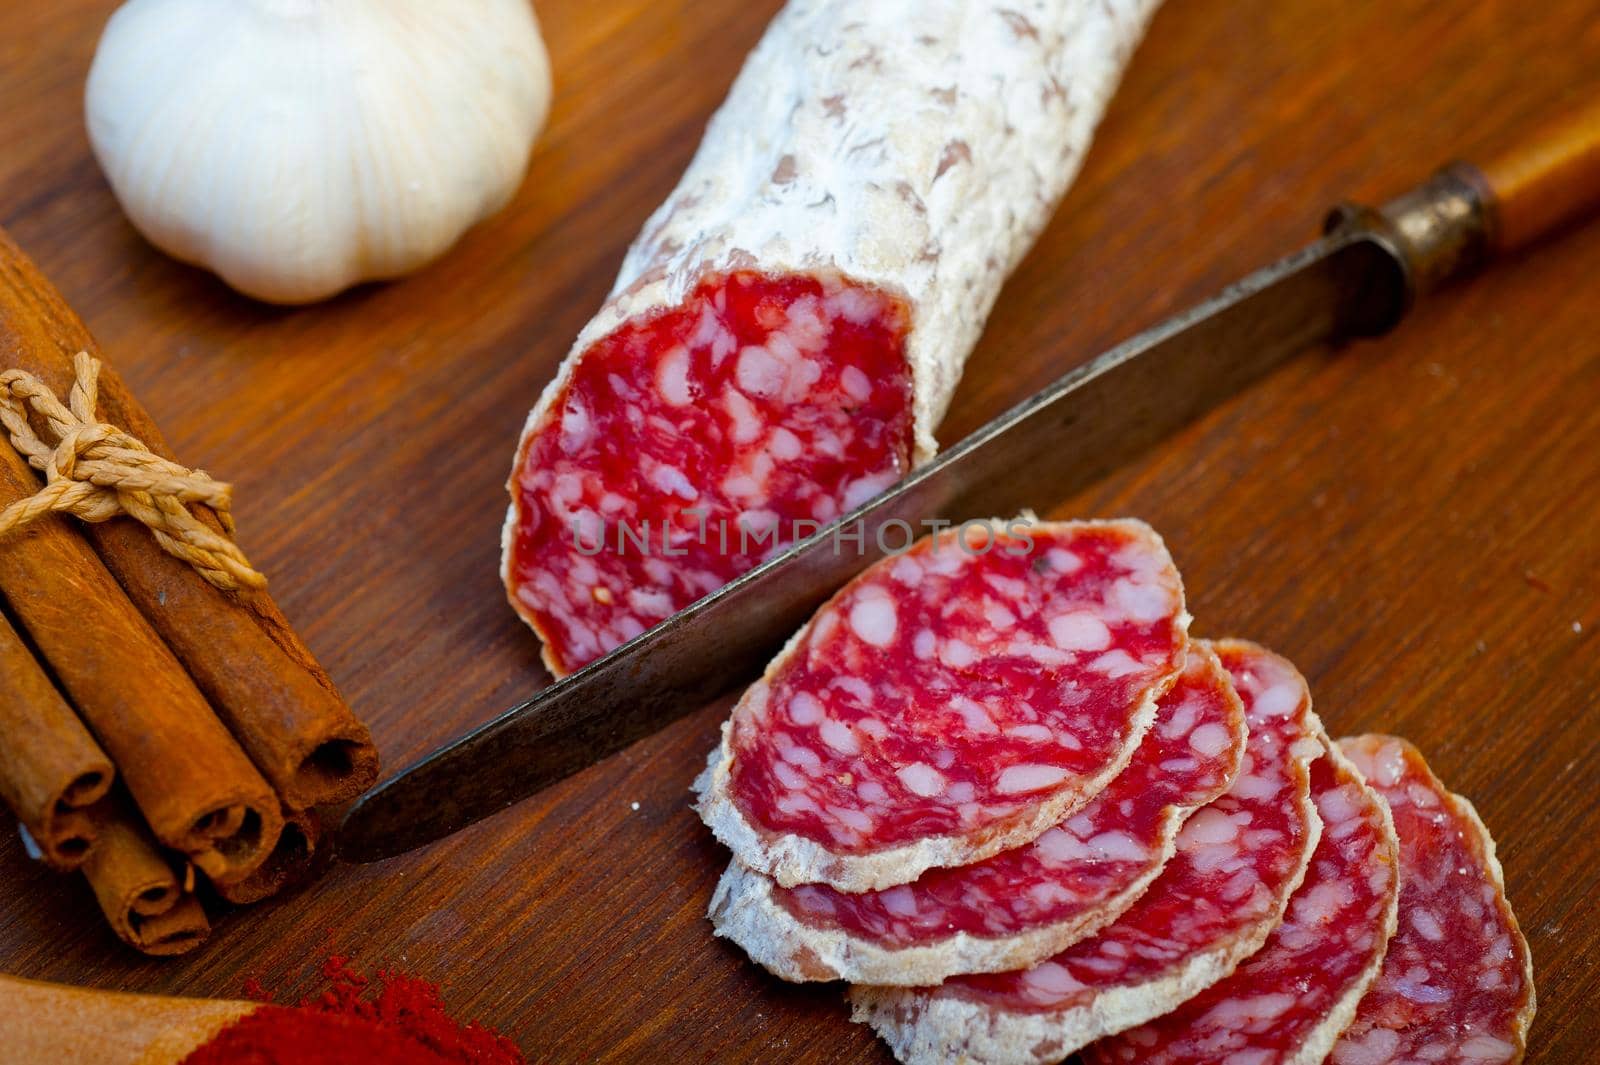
(97, 472)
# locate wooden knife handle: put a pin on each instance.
(1543, 183)
(1467, 214)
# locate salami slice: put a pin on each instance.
(1225, 889)
(1287, 1004)
(1024, 904)
(950, 703)
(789, 327)
(1457, 982)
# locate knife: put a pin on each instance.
(1359, 280)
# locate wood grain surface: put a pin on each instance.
(1413, 520)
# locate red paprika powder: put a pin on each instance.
(402, 1022)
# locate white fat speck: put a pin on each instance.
(862, 489)
(760, 373)
(1337, 805)
(1390, 765)
(671, 480)
(975, 717)
(901, 901)
(856, 385)
(853, 305)
(707, 329)
(1233, 1014)
(745, 424)
(957, 654)
(1063, 561)
(805, 709)
(1116, 663)
(1209, 826)
(873, 620)
(837, 734)
(1376, 1047)
(998, 617)
(1210, 739)
(576, 427)
(1314, 907)
(1427, 925)
(1426, 994)
(672, 377)
(1051, 978)
(921, 779)
(1079, 631)
(871, 726)
(1020, 779)
(650, 603)
(1058, 847)
(905, 570)
(1117, 847)
(1280, 700)
(784, 445)
(1485, 1048)
(1141, 601)
(1033, 733)
(858, 820)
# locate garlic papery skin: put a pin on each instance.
(297, 147)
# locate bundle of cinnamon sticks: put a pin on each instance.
(156, 733)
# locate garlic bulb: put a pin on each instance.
(297, 147)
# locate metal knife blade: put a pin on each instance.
(1088, 422)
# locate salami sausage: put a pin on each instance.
(1225, 889)
(1024, 904)
(950, 703)
(1287, 1004)
(1457, 982)
(788, 328)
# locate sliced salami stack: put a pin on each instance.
(951, 702)
(1192, 872)
(1024, 904)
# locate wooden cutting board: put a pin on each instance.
(1416, 521)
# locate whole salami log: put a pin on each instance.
(1287, 1004)
(788, 329)
(1237, 862)
(1457, 982)
(1022, 905)
(950, 703)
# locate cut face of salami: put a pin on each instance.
(1237, 862)
(949, 703)
(1287, 1004)
(1457, 982)
(688, 445)
(789, 326)
(1023, 904)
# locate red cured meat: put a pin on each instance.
(1021, 905)
(1237, 862)
(687, 444)
(875, 174)
(1457, 982)
(1287, 1004)
(949, 703)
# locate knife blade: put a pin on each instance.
(1358, 280)
(1087, 423)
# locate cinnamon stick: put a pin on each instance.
(290, 861)
(199, 792)
(149, 904)
(51, 769)
(251, 665)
